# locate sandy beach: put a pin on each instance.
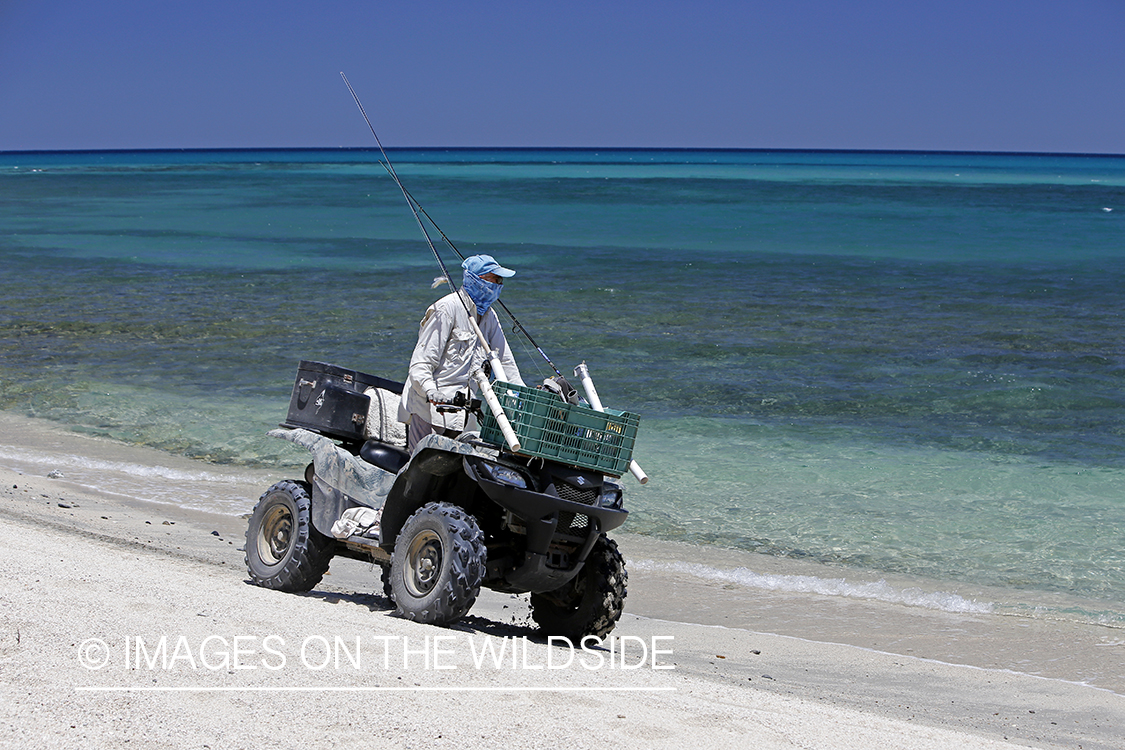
(125, 623)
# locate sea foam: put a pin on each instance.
(192, 489)
(871, 590)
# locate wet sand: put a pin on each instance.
(694, 659)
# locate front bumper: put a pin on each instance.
(546, 518)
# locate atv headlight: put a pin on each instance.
(507, 476)
(610, 497)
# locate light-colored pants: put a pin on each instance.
(417, 428)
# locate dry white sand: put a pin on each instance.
(86, 577)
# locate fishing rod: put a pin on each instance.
(515, 321)
(497, 367)
(486, 389)
(415, 207)
(494, 356)
(409, 200)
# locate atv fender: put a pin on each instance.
(435, 457)
(341, 480)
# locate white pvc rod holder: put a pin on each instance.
(497, 410)
(582, 372)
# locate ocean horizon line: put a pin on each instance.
(571, 149)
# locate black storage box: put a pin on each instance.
(330, 400)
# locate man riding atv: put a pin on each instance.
(522, 506)
(448, 351)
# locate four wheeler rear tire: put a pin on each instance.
(438, 564)
(283, 550)
(591, 603)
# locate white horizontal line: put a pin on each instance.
(367, 689)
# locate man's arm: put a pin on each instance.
(428, 352)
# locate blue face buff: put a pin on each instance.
(482, 293)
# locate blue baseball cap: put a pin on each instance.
(482, 264)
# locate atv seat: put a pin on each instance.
(386, 457)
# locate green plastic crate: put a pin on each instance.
(548, 427)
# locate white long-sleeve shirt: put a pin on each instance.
(446, 354)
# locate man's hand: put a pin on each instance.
(435, 396)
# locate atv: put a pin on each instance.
(457, 513)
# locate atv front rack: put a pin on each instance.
(550, 428)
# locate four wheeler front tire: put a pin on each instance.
(438, 564)
(591, 603)
(283, 550)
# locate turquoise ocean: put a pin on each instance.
(905, 364)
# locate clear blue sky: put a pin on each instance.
(942, 74)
